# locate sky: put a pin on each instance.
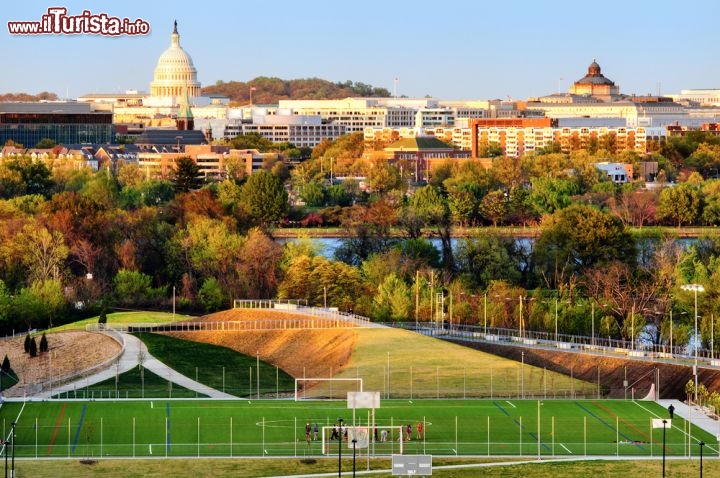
(459, 49)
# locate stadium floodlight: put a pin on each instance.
(695, 288)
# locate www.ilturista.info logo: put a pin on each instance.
(58, 22)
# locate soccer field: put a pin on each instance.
(277, 428)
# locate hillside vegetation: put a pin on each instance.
(270, 90)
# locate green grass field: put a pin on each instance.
(207, 428)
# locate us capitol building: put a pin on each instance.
(592, 106)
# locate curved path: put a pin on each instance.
(133, 349)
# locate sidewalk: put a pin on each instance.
(128, 360)
(695, 415)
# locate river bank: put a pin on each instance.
(520, 232)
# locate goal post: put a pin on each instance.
(382, 440)
(326, 388)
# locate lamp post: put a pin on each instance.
(340, 438)
(354, 442)
(701, 444)
(12, 465)
(556, 319)
(663, 462)
(592, 314)
(695, 288)
(485, 306)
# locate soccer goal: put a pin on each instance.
(381, 440)
(326, 388)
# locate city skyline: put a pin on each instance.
(468, 50)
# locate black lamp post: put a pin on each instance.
(12, 466)
(702, 444)
(664, 422)
(354, 442)
(340, 439)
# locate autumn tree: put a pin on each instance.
(42, 252)
(260, 259)
(429, 204)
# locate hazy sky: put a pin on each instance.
(456, 49)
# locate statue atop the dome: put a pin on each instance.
(175, 27)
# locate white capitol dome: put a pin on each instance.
(175, 72)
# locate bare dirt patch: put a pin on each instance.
(299, 352)
(613, 371)
(69, 353)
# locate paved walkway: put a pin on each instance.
(694, 415)
(132, 348)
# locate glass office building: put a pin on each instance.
(64, 123)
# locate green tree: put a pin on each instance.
(551, 194)
(313, 194)
(186, 175)
(211, 296)
(393, 299)
(40, 303)
(578, 238)
(132, 287)
(485, 258)
(464, 200)
(33, 348)
(680, 204)
(494, 206)
(102, 319)
(252, 141)
(265, 198)
(26, 345)
(43, 343)
(34, 176)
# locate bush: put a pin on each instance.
(26, 345)
(5, 367)
(43, 344)
(102, 319)
(210, 295)
(33, 348)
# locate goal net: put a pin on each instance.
(380, 440)
(326, 388)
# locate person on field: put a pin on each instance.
(335, 435)
(419, 429)
(383, 436)
(408, 432)
(315, 431)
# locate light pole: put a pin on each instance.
(702, 444)
(556, 318)
(485, 305)
(592, 314)
(354, 442)
(12, 465)
(663, 466)
(340, 438)
(695, 288)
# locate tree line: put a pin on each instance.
(75, 242)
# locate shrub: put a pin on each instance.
(43, 343)
(33, 347)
